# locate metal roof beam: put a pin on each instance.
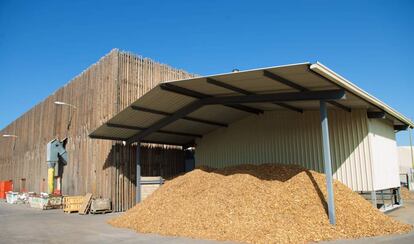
(400, 127)
(163, 143)
(144, 141)
(293, 85)
(246, 109)
(245, 92)
(107, 138)
(179, 133)
(376, 115)
(338, 105)
(149, 110)
(228, 86)
(209, 122)
(293, 108)
(165, 121)
(160, 131)
(256, 98)
(284, 81)
(153, 111)
(125, 126)
(325, 95)
(182, 91)
(198, 95)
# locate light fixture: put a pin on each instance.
(65, 104)
(6, 135)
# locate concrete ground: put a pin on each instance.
(22, 224)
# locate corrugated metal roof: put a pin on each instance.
(158, 103)
(224, 114)
(132, 118)
(162, 100)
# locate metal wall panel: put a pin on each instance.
(292, 138)
(384, 154)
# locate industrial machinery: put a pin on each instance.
(56, 158)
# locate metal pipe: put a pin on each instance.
(411, 147)
(12, 136)
(65, 104)
(70, 114)
(138, 175)
(50, 177)
(327, 161)
(7, 135)
(410, 173)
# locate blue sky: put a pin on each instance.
(44, 44)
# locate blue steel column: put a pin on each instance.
(327, 161)
(138, 174)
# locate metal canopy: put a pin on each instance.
(177, 112)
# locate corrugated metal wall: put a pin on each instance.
(293, 138)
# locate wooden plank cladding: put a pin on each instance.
(101, 167)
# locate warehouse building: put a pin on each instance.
(302, 114)
(104, 168)
(272, 115)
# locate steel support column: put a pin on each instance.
(398, 197)
(327, 161)
(374, 199)
(411, 150)
(138, 174)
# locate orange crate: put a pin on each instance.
(5, 186)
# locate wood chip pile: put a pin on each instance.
(268, 203)
(406, 194)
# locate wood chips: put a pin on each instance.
(268, 203)
(406, 194)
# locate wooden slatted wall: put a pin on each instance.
(104, 168)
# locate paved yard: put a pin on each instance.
(22, 224)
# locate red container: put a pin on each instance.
(5, 186)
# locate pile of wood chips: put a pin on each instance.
(406, 194)
(256, 204)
